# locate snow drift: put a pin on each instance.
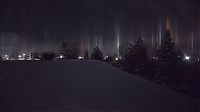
(82, 85)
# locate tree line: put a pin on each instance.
(166, 66)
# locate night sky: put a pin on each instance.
(40, 25)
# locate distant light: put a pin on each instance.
(61, 56)
(23, 54)
(36, 59)
(20, 56)
(6, 57)
(116, 59)
(187, 57)
(156, 58)
(106, 57)
(80, 57)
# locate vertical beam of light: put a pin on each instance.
(107, 47)
(45, 40)
(100, 42)
(88, 44)
(152, 41)
(176, 35)
(82, 45)
(118, 44)
(3, 43)
(157, 36)
(199, 29)
(117, 32)
(95, 41)
(142, 34)
(160, 33)
(168, 24)
(192, 42)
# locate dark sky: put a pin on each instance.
(32, 23)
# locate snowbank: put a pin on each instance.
(82, 85)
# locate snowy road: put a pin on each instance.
(82, 85)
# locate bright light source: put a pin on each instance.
(106, 57)
(187, 57)
(80, 57)
(23, 54)
(6, 57)
(61, 56)
(20, 56)
(116, 59)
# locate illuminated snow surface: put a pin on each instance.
(83, 86)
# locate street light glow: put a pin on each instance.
(106, 57)
(80, 57)
(187, 57)
(61, 56)
(20, 56)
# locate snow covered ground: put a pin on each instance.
(83, 86)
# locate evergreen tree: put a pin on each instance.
(166, 57)
(136, 56)
(129, 54)
(48, 56)
(86, 56)
(109, 59)
(1, 58)
(64, 49)
(68, 51)
(97, 54)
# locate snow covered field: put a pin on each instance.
(83, 86)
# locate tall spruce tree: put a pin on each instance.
(86, 56)
(166, 57)
(68, 51)
(136, 55)
(129, 54)
(97, 54)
